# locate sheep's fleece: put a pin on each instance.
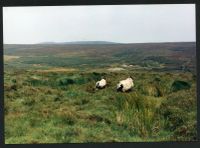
(101, 83)
(125, 85)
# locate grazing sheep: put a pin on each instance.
(125, 85)
(101, 84)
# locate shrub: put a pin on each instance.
(179, 85)
(81, 80)
(66, 81)
(179, 111)
(96, 76)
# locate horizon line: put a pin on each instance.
(51, 42)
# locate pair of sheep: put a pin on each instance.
(124, 85)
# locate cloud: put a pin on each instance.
(118, 23)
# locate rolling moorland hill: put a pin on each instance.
(165, 56)
(50, 94)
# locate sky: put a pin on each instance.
(116, 23)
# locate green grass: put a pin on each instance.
(65, 107)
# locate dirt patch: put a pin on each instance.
(57, 70)
(116, 69)
(8, 58)
(37, 65)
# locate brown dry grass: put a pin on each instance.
(8, 58)
(57, 70)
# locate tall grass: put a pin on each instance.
(66, 107)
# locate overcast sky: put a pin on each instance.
(121, 23)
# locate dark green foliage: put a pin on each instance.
(66, 81)
(179, 85)
(35, 82)
(57, 98)
(179, 110)
(81, 81)
(14, 80)
(13, 87)
(96, 76)
(68, 120)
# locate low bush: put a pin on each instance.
(180, 85)
(179, 111)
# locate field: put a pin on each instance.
(50, 94)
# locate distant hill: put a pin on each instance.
(171, 56)
(82, 42)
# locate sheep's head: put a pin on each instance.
(97, 84)
(119, 87)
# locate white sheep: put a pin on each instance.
(101, 84)
(125, 85)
